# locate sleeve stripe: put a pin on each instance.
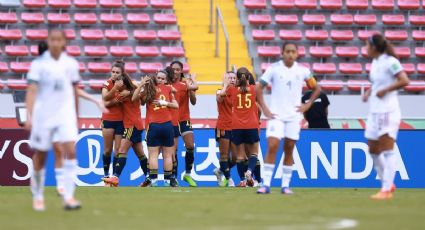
(32, 81)
(264, 83)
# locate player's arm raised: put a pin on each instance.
(312, 85)
(140, 92)
(221, 94)
(109, 95)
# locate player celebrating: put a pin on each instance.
(52, 102)
(286, 78)
(387, 76)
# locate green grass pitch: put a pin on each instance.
(215, 208)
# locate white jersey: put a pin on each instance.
(55, 99)
(287, 84)
(382, 74)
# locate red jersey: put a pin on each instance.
(175, 115)
(115, 112)
(160, 114)
(183, 100)
(132, 114)
(224, 120)
(245, 111)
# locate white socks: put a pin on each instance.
(378, 163)
(286, 176)
(59, 173)
(389, 170)
(268, 173)
(37, 184)
(70, 173)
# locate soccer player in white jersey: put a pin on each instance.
(286, 77)
(51, 102)
(387, 76)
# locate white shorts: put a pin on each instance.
(379, 124)
(284, 129)
(42, 138)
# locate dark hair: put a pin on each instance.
(150, 88)
(285, 44)
(125, 76)
(170, 73)
(251, 80)
(243, 75)
(42, 47)
(181, 66)
(381, 45)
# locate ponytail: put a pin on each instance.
(243, 75)
(382, 45)
(150, 88)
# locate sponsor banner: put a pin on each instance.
(326, 158)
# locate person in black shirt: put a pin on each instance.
(317, 115)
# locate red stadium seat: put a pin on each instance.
(365, 19)
(16, 51)
(258, 19)
(357, 4)
(131, 67)
(390, 19)
(290, 34)
(36, 34)
(20, 67)
(116, 35)
(409, 68)
(408, 4)
(121, 51)
(342, 19)
(301, 51)
(96, 84)
(136, 18)
(162, 4)
(82, 67)
(91, 34)
(165, 19)
(314, 19)
(306, 4)
(342, 35)
(12, 34)
(316, 35)
(417, 20)
(146, 67)
(58, 4)
(265, 66)
(421, 68)
(55, 18)
(331, 4)
(324, 68)
(290, 19)
(396, 35)
(17, 84)
(366, 34)
(99, 67)
(145, 35)
(96, 51)
(350, 68)
(169, 35)
(110, 3)
(420, 52)
(255, 4)
(268, 51)
(321, 51)
(383, 4)
(3, 67)
(402, 52)
(331, 85)
(34, 3)
(32, 18)
(8, 18)
(418, 35)
(283, 4)
(263, 35)
(147, 51)
(357, 85)
(347, 51)
(70, 34)
(34, 50)
(136, 4)
(111, 18)
(364, 52)
(85, 3)
(172, 51)
(415, 86)
(85, 18)
(73, 51)
(367, 67)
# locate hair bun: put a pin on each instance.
(119, 62)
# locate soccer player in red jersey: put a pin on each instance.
(159, 100)
(185, 88)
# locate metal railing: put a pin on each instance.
(219, 17)
(211, 16)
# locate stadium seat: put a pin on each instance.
(58, 4)
(409, 68)
(366, 34)
(306, 4)
(110, 4)
(172, 51)
(12, 34)
(169, 35)
(73, 51)
(96, 84)
(85, 3)
(342, 19)
(131, 67)
(165, 19)
(421, 68)
(255, 4)
(8, 18)
(314, 19)
(363, 51)
(162, 4)
(32, 18)
(420, 52)
(82, 67)
(147, 51)
(408, 4)
(347, 51)
(14, 84)
(331, 85)
(290, 19)
(290, 34)
(402, 52)
(262, 35)
(417, 20)
(138, 18)
(321, 51)
(146, 67)
(55, 18)
(301, 51)
(264, 66)
(111, 18)
(383, 4)
(389, 19)
(258, 19)
(20, 67)
(396, 35)
(99, 67)
(34, 3)
(136, 4)
(145, 35)
(331, 4)
(3, 67)
(34, 50)
(357, 4)
(91, 34)
(357, 85)
(268, 51)
(367, 67)
(36, 34)
(350, 68)
(121, 51)
(95, 51)
(116, 35)
(85, 18)
(365, 19)
(70, 34)
(342, 35)
(415, 86)
(418, 35)
(283, 4)
(324, 68)
(16, 51)
(316, 35)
